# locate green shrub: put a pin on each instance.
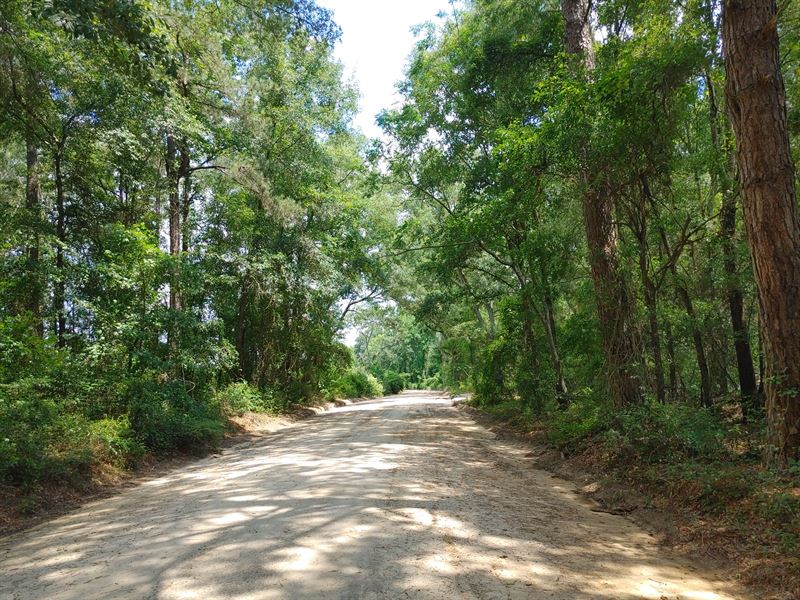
(505, 374)
(650, 432)
(238, 398)
(165, 417)
(115, 442)
(494, 381)
(241, 397)
(585, 416)
(38, 439)
(356, 382)
(710, 486)
(393, 382)
(783, 508)
(23, 354)
(653, 432)
(513, 412)
(434, 382)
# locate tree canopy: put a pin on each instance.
(190, 224)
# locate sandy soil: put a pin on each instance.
(403, 497)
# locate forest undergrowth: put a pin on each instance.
(699, 484)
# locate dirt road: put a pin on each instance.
(404, 497)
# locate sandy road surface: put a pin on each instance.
(404, 497)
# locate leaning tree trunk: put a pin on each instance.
(757, 107)
(699, 346)
(549, 323)
(602, 238)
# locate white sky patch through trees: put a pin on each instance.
(376, 41)
(374, 48)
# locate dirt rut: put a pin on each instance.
(402, 497)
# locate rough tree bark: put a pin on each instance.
(757, 107)
(578, 31)
(620, 343)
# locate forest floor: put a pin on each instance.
(402, 497)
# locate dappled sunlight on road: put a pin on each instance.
(402, 497)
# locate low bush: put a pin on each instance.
(650, 432)
(434, 382)
(393, 382)
(165, 417)
(37, 438)
(782, 510)
(512, 411)
(586, 415)
(494, 382)
(115, 442)
(654, 432)
(241, 397)
(356, 382)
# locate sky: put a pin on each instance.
(376, 41)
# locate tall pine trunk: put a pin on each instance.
(59, 292)
(720, 181)
(757, 107)
(173, 182)
(602, 238)
(33, 301)
(186, 201)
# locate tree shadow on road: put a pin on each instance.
(397, 498)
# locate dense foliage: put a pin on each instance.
(600, 235)
(571, 229)
(185, 214)
(557, 220)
